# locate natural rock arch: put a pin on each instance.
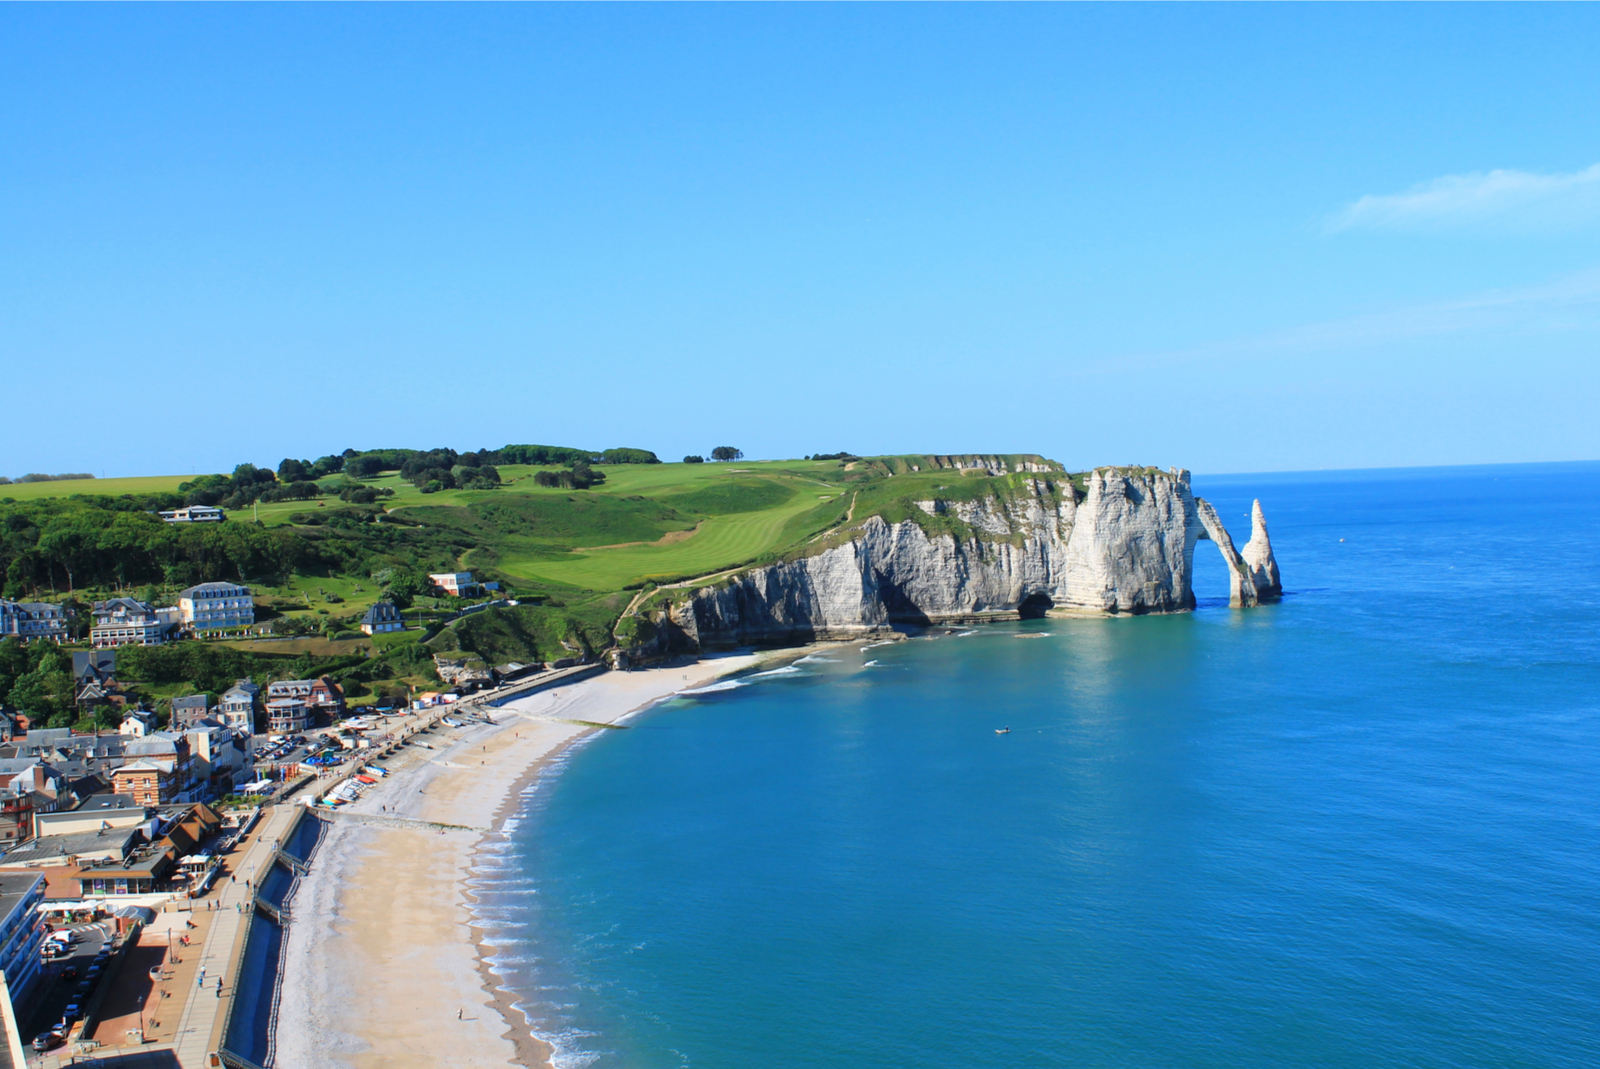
(1253, 574)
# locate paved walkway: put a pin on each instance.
(200, 1027)
(199, 1024)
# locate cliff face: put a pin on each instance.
(1123, 544)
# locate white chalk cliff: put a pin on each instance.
(1124, 543)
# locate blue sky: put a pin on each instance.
(1228, 238)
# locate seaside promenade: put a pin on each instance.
(201, 1020)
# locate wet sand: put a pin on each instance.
(383, 966)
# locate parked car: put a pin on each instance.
(69, 973)
(94, 972)
(70, 1014)
(48, 1040)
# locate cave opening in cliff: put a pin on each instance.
(1035, 606)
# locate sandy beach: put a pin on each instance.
(383, 966)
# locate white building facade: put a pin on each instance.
(216, 607)
(28, 620)
(126, 622)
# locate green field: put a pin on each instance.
(145, 484)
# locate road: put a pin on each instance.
(55, 989)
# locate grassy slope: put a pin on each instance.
(636, 504)
(585, 549)
(151, 484)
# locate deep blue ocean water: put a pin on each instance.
(1358, 828)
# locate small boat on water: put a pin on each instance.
(1002, 731)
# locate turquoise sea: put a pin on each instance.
(1358, 828)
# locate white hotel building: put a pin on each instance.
(216, 607)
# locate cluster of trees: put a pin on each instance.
(445, 469)
(37, 678)
(247, 485)
(833, 456)
(37, 477)
(409, 462)
(357, 494)
(578, 477)
(721, 452)
(67, 543)
(296, 471)
(556, 454)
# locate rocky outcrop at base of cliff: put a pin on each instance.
(1124, 543)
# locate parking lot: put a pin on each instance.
(66, 981)
(315, 750)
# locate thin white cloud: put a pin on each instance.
(1566, 305)
(1515, 199)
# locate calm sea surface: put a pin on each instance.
(1359, 828)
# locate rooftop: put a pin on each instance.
(107, 801)
(14, 887)
(213, 590)
(47, 848)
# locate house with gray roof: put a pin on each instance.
(126, 622)
(238, 706)
(29, 620)
(381, 618)
(188, 711)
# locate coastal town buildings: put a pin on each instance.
(126, 622)
(26, 792)
(138, 723)
(158, 769)
(29, 620)
(195, 514)
(97, 665)
(216, 607)
(219, 757)
(21, 933)
(455, 584)
(147, 782)
(287, 716)
(320, 695)
(188, 711)
(383, 617)
(238, 706)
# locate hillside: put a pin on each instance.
(575, 559)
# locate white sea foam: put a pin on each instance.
(964, 634)
(814, 658)
(1033, 634)
(565, 1054)
(870, 645)
(786, 670)
(726, 684)
(869, 664)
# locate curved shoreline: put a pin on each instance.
(534, 1050)
(387, 961)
